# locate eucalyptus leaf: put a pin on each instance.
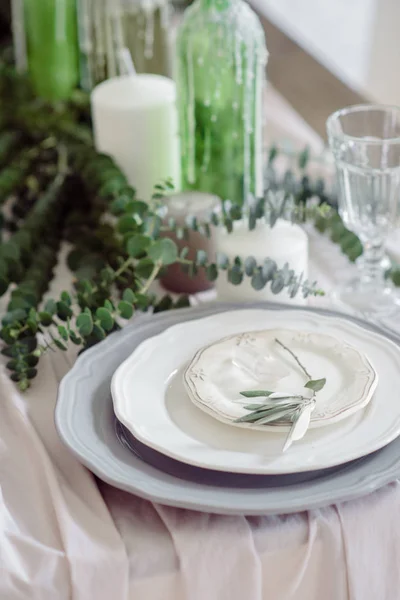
(222, 261)
(250, 265)
(212, 272)
(269, 268)
(106, 319)
(125, 309)
(235, 275)
(84, 322)
(164, 251)
(316, 384)
(129, 296)
(63, 332)
(201, 258)
(137, 244)
(63, 311)
(60, 345)
(258, 281)
(65, 297)
(277, 284)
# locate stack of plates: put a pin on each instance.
(151, 410)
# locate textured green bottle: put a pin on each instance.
(52, 47)
(221, 60)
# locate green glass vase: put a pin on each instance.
(52, 47)
(221, 60)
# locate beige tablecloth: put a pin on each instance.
(63, 535)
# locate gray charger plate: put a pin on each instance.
(208, 476)
(85, 421)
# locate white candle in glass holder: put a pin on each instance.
(135, 121)
(284, 243)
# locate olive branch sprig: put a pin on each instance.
(281, 406)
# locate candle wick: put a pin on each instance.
(126, 64)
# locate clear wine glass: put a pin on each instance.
(365, 141)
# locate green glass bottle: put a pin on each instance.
(52, 47)
(221, 60)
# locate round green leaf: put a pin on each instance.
(75, 339)
(143, 301)
(60, 345)
(184, 252)
(258, 281)
(164, 304)
(105, 318)
(137, 244)
(201, 258)
(125, 309)
(63, 332)
(153, 225)
(63, 311)
(16, 376)
(250, 265)
(235, 275)
(31, 373)
(137, 207)
(85, 324)
(13, 364)
(212, 272)
(27, 345)
(98, 333)
(65, 297)
(144, 268)
(164, 251)
(127, 224)
(269, 268)
(277, 284)
(222, 261)
(129, 296)
(31, 323)
(14, 316)
(31, 360)
(46, 318)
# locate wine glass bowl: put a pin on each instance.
(365, 141)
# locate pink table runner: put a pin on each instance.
(62, 536)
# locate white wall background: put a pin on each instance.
(358, 40)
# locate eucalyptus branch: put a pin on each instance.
(296, 358)
(153, 276)
(281, 406)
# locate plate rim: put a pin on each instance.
(381, 469)
(232, 468)
(371, 382)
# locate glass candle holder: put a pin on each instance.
(180, 206)
(106, 27)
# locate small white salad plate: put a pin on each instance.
(150, 399)
(256, 360)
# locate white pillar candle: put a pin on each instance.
(135, 121)
(284, 243)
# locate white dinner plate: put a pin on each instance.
(257, 361)
(151, 401)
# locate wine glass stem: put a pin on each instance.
(372, 272)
